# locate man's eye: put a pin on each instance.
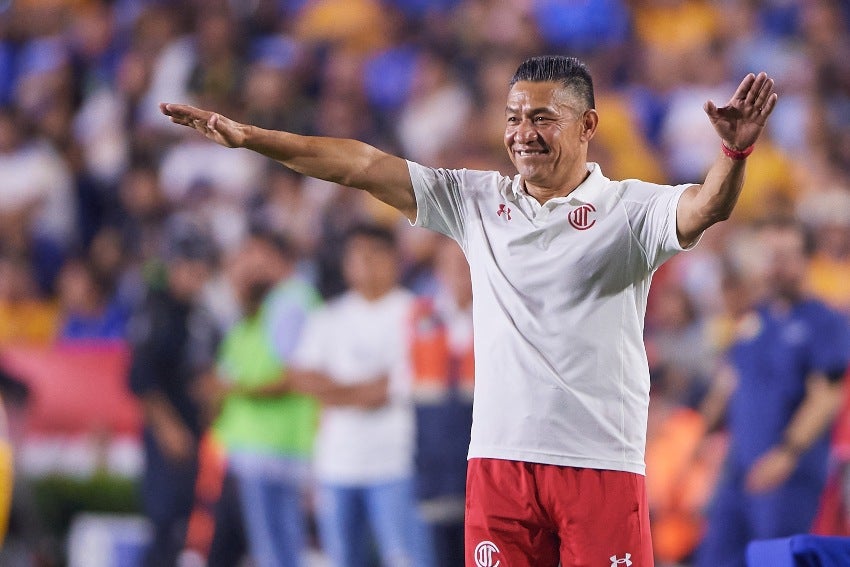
(512, 119)
(540, 119)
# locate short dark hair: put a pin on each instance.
(373, 232)
(569, 71)
(782, 223)
(280, 243)
(191, 245)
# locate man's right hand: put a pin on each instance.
(175, 441)
(214, 126)
(174, 438)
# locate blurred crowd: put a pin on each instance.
(98, 190)
(96, 181)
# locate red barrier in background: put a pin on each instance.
(75, 387)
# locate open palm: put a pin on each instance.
(740, 123)
(214, 126)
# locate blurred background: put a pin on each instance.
(96, 187)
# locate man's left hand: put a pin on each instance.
(771, 470)
(740, 123)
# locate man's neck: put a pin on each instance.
(783, 303)
(372, 295)
(543, 194)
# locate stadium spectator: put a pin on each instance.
(365, 444)
(783, 382)
(443, 381)
(827, 216)
(534, 408)
(88, 310)
(431, 121)
(36, 204)
(682, 360)
(24, 317)
(267, 431)
(173, 344)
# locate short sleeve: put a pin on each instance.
(831, 345)
(439, 203)
(285, 317)
(652, 215)
(308, 354)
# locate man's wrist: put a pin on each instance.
(792, 449)
(734, 154)
(248, 135)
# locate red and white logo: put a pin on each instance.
(484, 554)
(504, 210)
(581, 218)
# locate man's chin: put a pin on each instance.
(531, 175)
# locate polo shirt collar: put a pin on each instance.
(586, 192)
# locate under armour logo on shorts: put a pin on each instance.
(616, 561)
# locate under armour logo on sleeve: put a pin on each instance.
(616, 561)
(504, 210)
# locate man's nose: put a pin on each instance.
(526, 132)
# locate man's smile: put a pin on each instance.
(528, 152)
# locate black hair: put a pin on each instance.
(569, 71)
(374, 232)
(783, 223)
(280, 243)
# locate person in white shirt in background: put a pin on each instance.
(364, 447)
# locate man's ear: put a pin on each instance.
(590, 120)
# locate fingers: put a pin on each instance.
(744, 87)
(710, 108)
(755, 96)
(184, 114)
(764, 93)
(769, 105)
(755, 88)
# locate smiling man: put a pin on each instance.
(561, 260)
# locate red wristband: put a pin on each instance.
(736, 154)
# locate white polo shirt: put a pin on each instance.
(561, 375)
(353, 340)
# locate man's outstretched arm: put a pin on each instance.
(347, 162)
(739, 124)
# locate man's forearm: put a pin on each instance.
(159, 412)
(367, 395)
(324, 158)
(713, 407)
(347, 162)
(815, 414)
(370, 394)
(711, 202)
(721, 189)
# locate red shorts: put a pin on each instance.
(532, 515)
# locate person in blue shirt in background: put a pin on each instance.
(781, 390)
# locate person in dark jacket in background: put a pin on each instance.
(173, 343)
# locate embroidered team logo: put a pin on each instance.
(485, 554)
(504, 210)
(581, 218)
(617, 561)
